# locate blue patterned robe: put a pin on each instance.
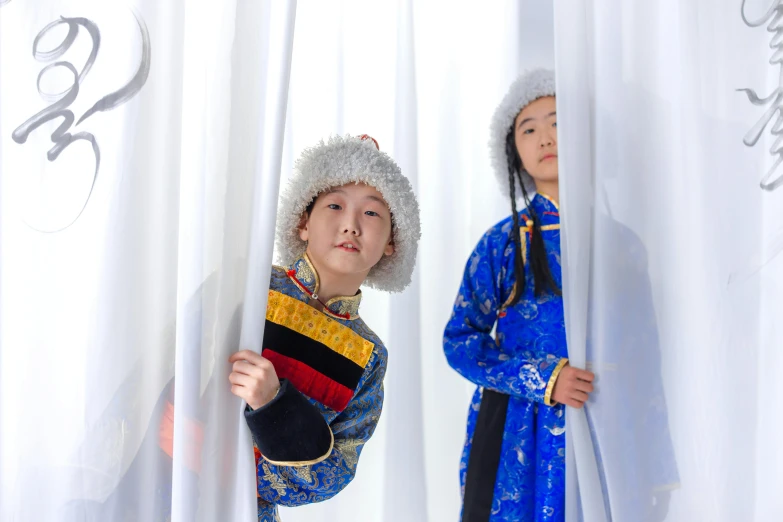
(352, 427)
(522, 361)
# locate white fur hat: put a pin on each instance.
(351, 159)
(532, 85)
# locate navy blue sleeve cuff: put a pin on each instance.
(290, 430)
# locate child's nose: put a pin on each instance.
(351, 226)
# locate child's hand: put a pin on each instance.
(573, 386)
(253, 379)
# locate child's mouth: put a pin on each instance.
(348, 247)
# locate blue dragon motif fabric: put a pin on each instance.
(522, 360)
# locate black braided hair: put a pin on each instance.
(514, 164)
(543, 280)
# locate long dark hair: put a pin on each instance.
(542, 275)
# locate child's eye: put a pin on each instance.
(527, 131)
(554, 124)
(334, 206)
(372, 213)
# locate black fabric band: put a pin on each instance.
(290, 429)
(484, 457)
(317, 356)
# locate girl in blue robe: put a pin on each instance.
(513, 464)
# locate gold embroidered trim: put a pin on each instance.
(307, 270)
(347, 307)
(298, 464)
(523, 231)
(523, 241)
(306, 320)
(527, 230)
(548, 198)
(550, 386)
(508, 301)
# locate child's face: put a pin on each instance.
(535, 135)
(348, 230)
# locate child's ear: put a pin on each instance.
(389, 250)
(304, 234)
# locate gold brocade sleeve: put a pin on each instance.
(552, 379)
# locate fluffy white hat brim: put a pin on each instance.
(532, 85)
(343, 160)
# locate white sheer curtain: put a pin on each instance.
(139, 250)
(672, 251)
(423, 78)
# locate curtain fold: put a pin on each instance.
(141, 145)
(671, 246)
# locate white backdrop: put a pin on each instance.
(680, 299)
(157, 275)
